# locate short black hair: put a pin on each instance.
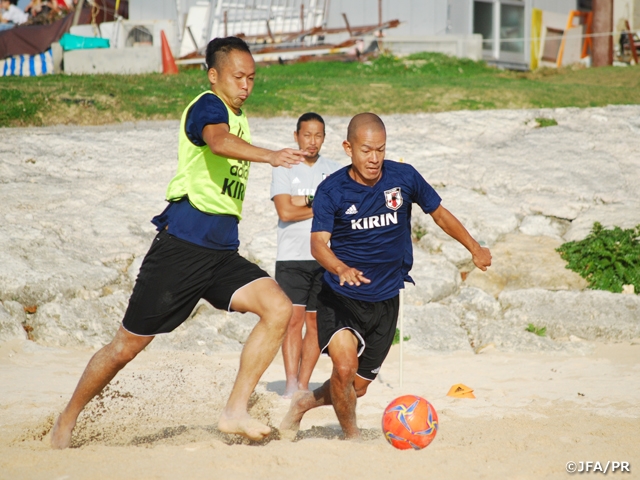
(222, 46)
(308, 117)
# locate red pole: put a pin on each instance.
(602, 25)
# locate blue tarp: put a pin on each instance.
(76, 42)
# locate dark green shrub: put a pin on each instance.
(607, 259)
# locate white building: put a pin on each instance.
(505, 26)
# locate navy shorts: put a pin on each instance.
(175, 275)
(373, 324)
(301, 280)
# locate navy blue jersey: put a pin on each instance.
(208, 110)
(371, 226)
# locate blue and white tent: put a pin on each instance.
(27, 65)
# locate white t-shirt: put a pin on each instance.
(301, 179)
(15, 15)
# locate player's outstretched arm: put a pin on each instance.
(451, 226)
(325, 257)
(223, 143)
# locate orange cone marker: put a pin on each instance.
(168, 63)
(460, 391)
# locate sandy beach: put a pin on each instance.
(532, 414)
(76, 225)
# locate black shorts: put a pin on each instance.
(301, 281)
(373, 324)
(176, 274)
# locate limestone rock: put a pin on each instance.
(433, 327)
(10, 327)
(485, 220)
(481, 317)
(16, 310)
(625, 216)
(590, 315)
(76, 218)
(34, 277)
(522, 261)
(536, 225)
(476, 311)
(435, 278)
(79, 321)
(239, 326)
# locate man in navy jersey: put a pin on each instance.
(364, 210)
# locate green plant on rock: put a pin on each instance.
(546, 122)
(607, 259)
(417, 232)
(540, 331)
(396, 337)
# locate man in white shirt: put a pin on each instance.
(12, 15)
(297, 272)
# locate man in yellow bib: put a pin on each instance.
(195, 254)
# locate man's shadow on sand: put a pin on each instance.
(279, 386)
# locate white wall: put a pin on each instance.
(418, 17)
(626, 10)
(558, 6)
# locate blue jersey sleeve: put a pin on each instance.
(423, 194)
(208, 110)
(323, 210)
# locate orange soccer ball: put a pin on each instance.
(410, 422)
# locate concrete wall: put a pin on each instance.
(463, 46)
(558, 6)
(158, 9)
(418, 17)
(113, 60)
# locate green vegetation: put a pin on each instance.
(417, 232)
(607, 259)
(396, 337)
(546, 122)
(426, 82)
(540, 331)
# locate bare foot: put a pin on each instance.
(291, 421)
(61, 433)
(290, 389)
(243, 425)
(354, 436)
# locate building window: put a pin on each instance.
(512, 28)
(483, 23)
(502, 26)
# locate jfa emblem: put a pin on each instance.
(393, 198)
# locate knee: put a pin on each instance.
(123, 352)
(345, 371)
(280, 312)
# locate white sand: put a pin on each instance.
(532, 414)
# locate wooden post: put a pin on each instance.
(632, 45)
(270, 33)
(346, 21)
(602, 25)
(76, 14)
(226, 23)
